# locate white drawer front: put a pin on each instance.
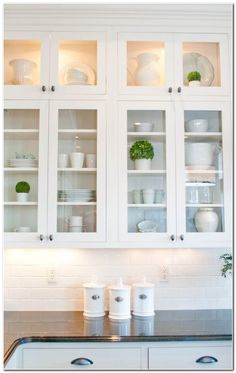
(102, 358)
(184, 358)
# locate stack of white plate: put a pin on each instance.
(76, 195)
(18, 162)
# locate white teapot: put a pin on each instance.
(147, 72)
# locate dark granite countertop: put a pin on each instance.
(71, 326)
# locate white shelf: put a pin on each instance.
(83, 170)
(203, 135)
(204, 205)
(21, 134)
(147, 205)
(20, 169)
(210, 172)
(82, 134)
(146, 172)
(20, 203)
(76, 203)
(157, 136)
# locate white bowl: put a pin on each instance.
(147, 226)
(199, 154)
(196, 125)
(143, 127)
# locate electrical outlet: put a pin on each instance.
(164, 274)
(51, 275)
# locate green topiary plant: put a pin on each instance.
(194, 75)
(22, 187)
(141, 149)
(227, 267)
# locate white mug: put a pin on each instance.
(75, 220)
(63, 160)
(77, 160)
(148, 196)
(22, 229)
(91, 160)
(75, 229)
(137, 196)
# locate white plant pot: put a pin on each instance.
(142, 164)
(22, 197)
(206, 220)
(194, 83)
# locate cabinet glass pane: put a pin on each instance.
(22, 62)
(21, 147)
(145, 63)
(204, 171)
(78, 62)
(77, 171)
(146, 177)
(205, 59)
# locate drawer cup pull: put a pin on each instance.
(82, 361)
(95, 297)
(143, 296)
(119, 299)
(206, 360)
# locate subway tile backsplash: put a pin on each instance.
(194, 275)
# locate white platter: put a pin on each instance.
(197, 62)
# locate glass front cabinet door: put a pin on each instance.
(26, 64)
(203, 154)
(202, 64)
(146, 173)
(77, 172)
(25, 171)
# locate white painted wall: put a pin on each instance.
(194, 283)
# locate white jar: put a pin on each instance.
(119, 301)
(143, 299)
(206, 220)
(94, 300)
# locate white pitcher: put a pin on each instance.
(147, 73)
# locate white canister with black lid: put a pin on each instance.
(94, 299)
(143, 299)
(119, 301)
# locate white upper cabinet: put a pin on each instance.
(54, 65)
(160, 64)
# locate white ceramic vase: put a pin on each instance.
(22, 197)
(147, 72)
(206, 220)
(194, 83)
(142, 164)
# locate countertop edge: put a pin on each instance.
(111, 339)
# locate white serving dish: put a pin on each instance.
(196, 125)
(147, 226)
(199, 154)
(143, 127)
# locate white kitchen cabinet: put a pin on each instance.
(64, 64)
(213, 355)
(98, 68)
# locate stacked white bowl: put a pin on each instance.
(75, 223)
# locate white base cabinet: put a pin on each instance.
(199, 355)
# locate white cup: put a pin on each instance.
(137, 196)
(91, 160)
(77, 160)
(148, 195)
(63, 160)
(75, 228)
(75, 220)
(22, 229)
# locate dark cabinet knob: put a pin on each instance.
(206, 360)
(51, 237)
(95, 297)
(53, 88)
(179, 89)
(119, 299)
(82, 361)
(170, 90)
(172, 237)
(143, 296)
(181, 237)
(43, 88)
(41, 237)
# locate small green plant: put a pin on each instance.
(141, 149)
(22, 187)
(227, 266)
(194, 75)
